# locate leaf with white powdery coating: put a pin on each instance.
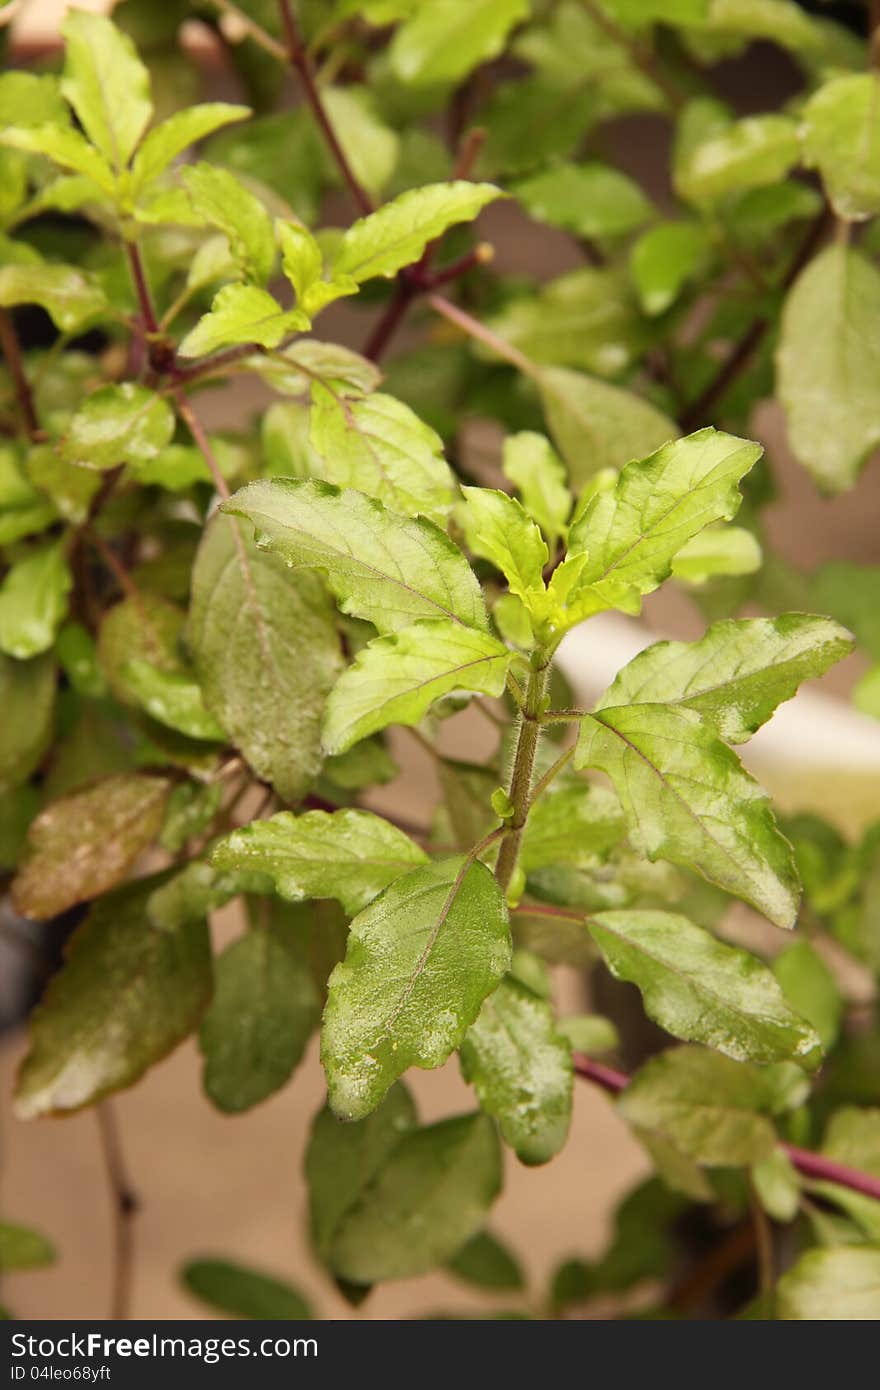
(70, 296)
(420, 961)
(735, 676)
(396, 678)
(688, 799)
(33, 601)
(350, 855)
(396, 235)
(118, 424)
(701, 990)
(839, 1284)
(385, 568)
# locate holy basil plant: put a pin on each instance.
(244, 574)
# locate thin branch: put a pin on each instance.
(468, 152)
(12, 352)
(141, 288)
(553, 771)
(125, 1205)
(474, 329)
(521, 778)
(113, 563)
(255, 31)
(197, 430)
(764, 1250)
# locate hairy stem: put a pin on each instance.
(200, 438)
(521, 777)
(12, 352)
(125, 1205)
(553, 771)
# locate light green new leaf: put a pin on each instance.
(171, 697)
(735, 676)
(756, 152)
(33, 601)
(263, 1012)
(301, 258)
(106, 84)
(22, 1248)
(688, 799)
(266, 654)
(66, 147)
(429, 1196)
(828, 365)
(69, 296)
(27, 698)
(381, 447)
(165, 142)
(700, 990)
(396, 235)
(836, 1284)
(719, 550)
(811, 989)
(242, 314)
(420, 961)
(841, 137)
(589, 1033)
(86, 842)
(521, 1069)
(571, 825)
(587, 319)
(777, 1186)
(349, 855)
(371, 146)
(538, 473)
(664, 259)
(126, 995)
(118, 424)
(385, 568)
(143, 629)
(396, 678)
(244, 1293)
(443, 40)
(497, 528)
(596, 425)
(590, 200)
(632, 532)
(223, 201)
(27, 99)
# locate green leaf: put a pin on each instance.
(27, 99)
(349, 855)
(266, 654)
(828, 365)
(222, 200)
(242, 1292)
(126, 995)
(396, 678)
(66, 147)
(590, 200)
(396, 235)
(420, 961)
(754, 152)
(27, 698)
(430, 1195)
(33, 601)
(587, 318)
(719, 550)
(161, 146)
(642, 1247)
(839, 1284)
(303, 263)
(173, 698)
(70, 488)
(777, 1185)
(69, 296)
(688, 799)
(18, 807)
(263, 1012)
(737, 674)
(632, 532)
(381, 567)
(810, 988)
(106, 84)
(85, 843)
(242, 314)
(485, 1263)
(342, 1160)
(701, 990)
(145, 628)
(589, 1033)
(841, 137)
(664, 259)
(497, 528)
(537, 472)
(381, 447)
(851, 593)
(371, 146)
(22, 1248)
(443, 40)
(571, 825)
(118, 424)
(521, 1069)
(595, 425)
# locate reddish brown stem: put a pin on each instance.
(141, 288)
(125, 1206)
(12, 352)
(200, 438)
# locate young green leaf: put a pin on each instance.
(161, 146)
(590, 200)
(381, 447)
(266, 654)
(224, 202)
(596, 425)
(71, 298)
(395, 236)
(719, 550)
(242, 1292)
(701, 990)
(828, 365)
(441, 41)
(381, 567)
(735, 676)
(396, 678)
(126, 995)
(142, 629)
(86, 842)
(835, 1284)
(264, 1009)
(485, 1263)
(497, 528)
(664, 259)
(841, 137)
(521, 1069)
(118, 424)
(349, 855)
(173, 698)
(431, 1195)
(33, 601)
(27, 697)
(811, 989)
(371, 145)
(420, 961)
(67, 148)
(106, 84)
(589, 1033)
(537, 472)
(752, 153)
(571, 825)
(687, 798)
(242, 314)
(587, 318)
